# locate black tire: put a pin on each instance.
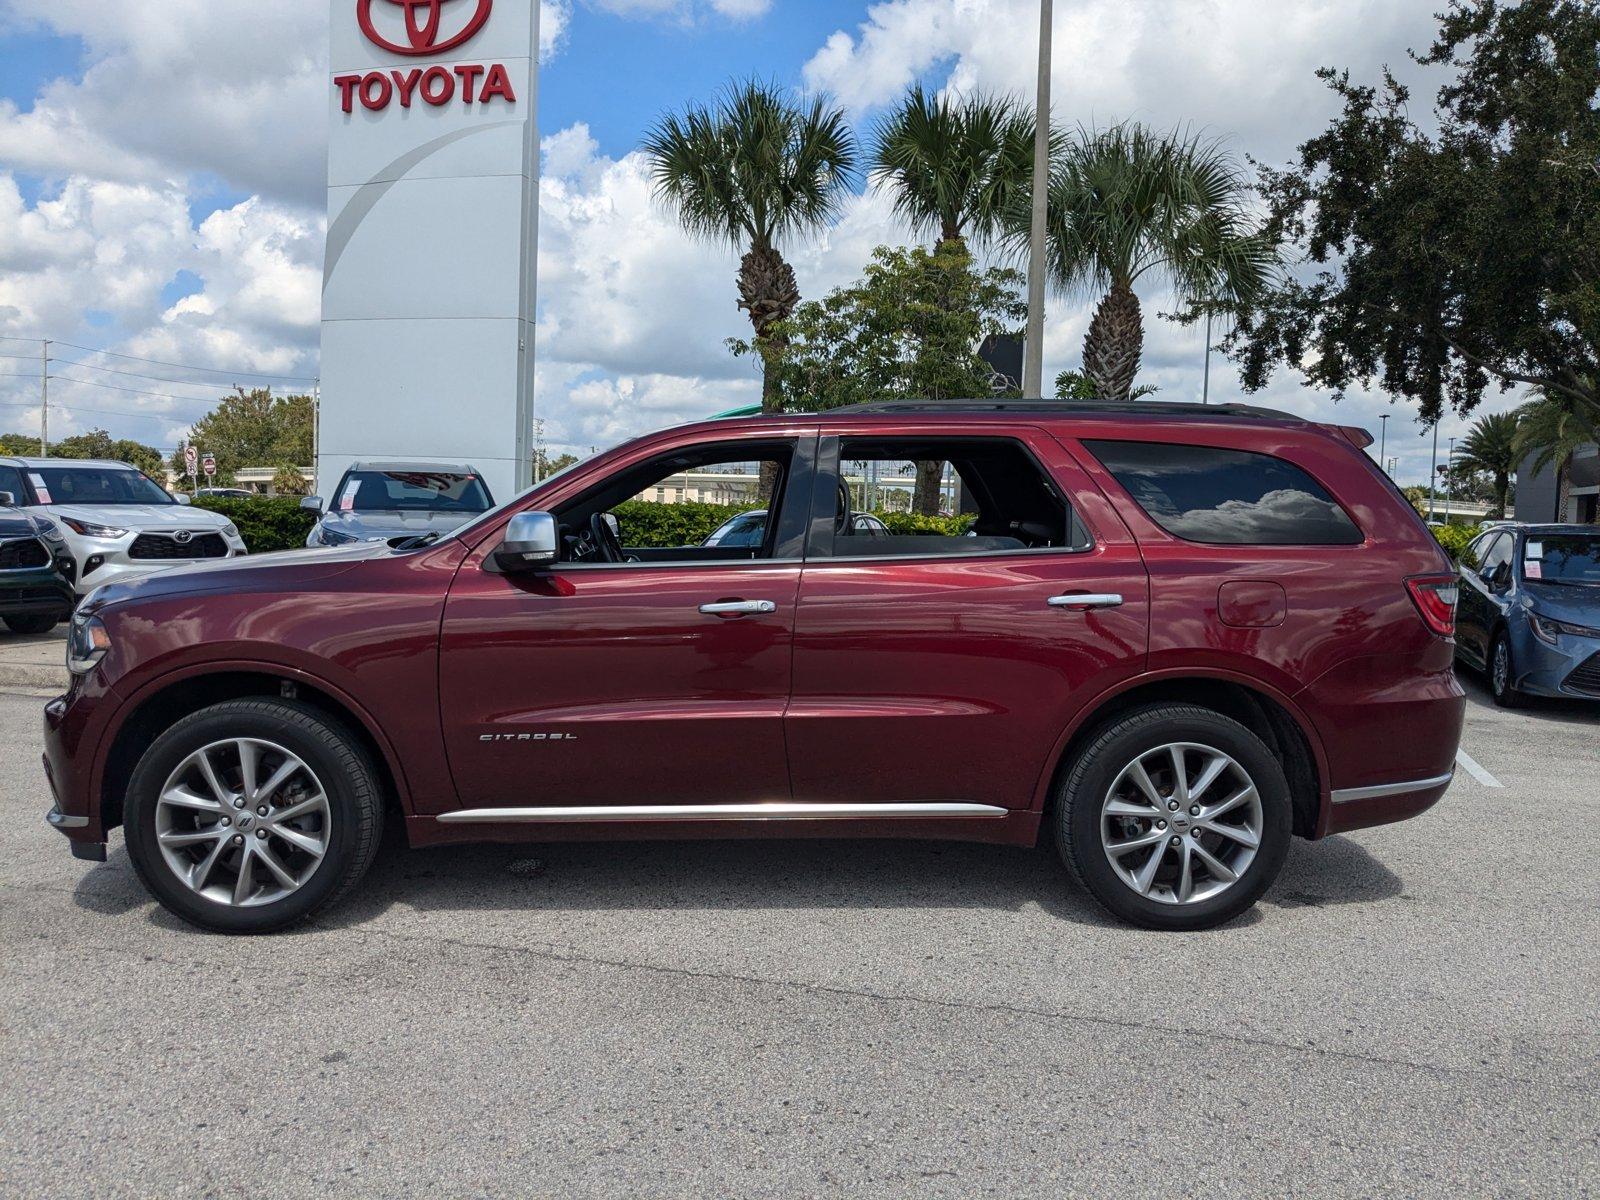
(1083, 793)
(344, 769)
(1505, 692)
(32, 623)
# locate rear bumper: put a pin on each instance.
(1383, 804)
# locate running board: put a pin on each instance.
(718, 812)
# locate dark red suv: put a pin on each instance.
(1166, 637)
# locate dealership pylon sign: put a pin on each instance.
(428, 288)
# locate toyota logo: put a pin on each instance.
(183, 537)
(423, 19)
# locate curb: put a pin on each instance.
(33, 678)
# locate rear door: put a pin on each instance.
(948, 671)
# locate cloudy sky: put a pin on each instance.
(162, 188)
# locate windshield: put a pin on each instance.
(95, 485)
(1562, 558)
(411, 491)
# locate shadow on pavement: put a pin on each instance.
(738, 875)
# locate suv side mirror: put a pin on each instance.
(314, 503)
(7, 500)
(532, 541)
(183, 498)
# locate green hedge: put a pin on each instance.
(651, 525)
(912, 524)
(265, 522)
(1454, 539)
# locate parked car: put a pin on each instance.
(35, 564)
(1530, 611)
(116, 521)
(226, 493)
(1176, 636)
(747, 529)
(380, 502)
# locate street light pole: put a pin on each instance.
(1383, 441)
(1033, 347)
(44, 403)
(1449, 481)
(1433, 469)
(1205, 383)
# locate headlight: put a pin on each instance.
(231, 530)
(49, 530)
(332, 537)
(1548, 629)
(86, 644)
(94, 531)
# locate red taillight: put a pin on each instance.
(1435, 598)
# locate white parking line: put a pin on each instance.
(1471, 767)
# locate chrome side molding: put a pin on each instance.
(1347, 795)
(784, 811)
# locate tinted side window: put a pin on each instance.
(1227, 497)
(11, 481)
(1497, 555)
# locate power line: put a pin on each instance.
(185, 366)
(14, 375)
(112, 387)
(99, 412)
(71, 362)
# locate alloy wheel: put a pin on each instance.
(1181, 823)
(1500, 671)
(243, 822)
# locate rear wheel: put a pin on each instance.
(251, 815)
(33, 623)
(1175, 817)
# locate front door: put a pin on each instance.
(655, 674)
(944, 664)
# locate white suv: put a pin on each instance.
(117, 522)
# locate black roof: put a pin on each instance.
(1070, 408)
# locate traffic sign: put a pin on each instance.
(210, 464)
(190, 460)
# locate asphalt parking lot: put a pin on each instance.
(1412, 1012)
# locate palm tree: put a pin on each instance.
(1553, 427)
(1491, 447)
(956, 166)
(1128, 203)
(751, 170)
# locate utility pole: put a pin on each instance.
(1033, 347)
(1433, 469)
(316, 435)
(1449, 480)
(1205, 385)
(44, 403)
(1383, 441)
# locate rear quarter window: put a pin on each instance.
(1227, 497)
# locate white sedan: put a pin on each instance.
(117, 522)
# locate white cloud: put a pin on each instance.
(685, 10)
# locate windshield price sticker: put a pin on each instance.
(39, 487)
(1535, 550)
(347, 502)
(1532, 568)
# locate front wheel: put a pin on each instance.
(1175, 817)
(251, 815)
(1502, 671)
(32, 623)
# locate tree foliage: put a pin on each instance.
(97, 443)
(910, 327)
(1437, 264)
(253, 429)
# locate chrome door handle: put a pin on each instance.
(1087, 600)
(739, 608)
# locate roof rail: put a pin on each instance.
(1071, 408)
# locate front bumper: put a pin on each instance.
(66, 732)
(35, 592)
(1568, 670)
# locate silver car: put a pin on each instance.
(115, 521)
(385, 501)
